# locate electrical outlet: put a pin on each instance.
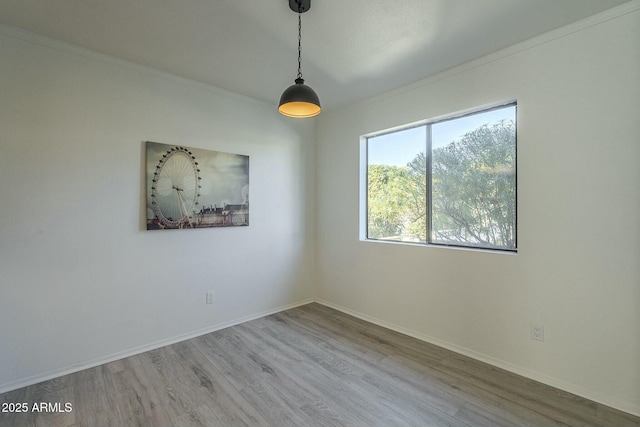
(211, 297)
(537, 332)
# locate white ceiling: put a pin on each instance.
(352, 49)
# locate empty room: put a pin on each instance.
(320, 213)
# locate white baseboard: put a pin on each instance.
(536, 376)
(545, 379)
(141, 349)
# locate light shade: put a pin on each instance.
(299, 101)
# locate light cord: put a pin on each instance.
(299, 44)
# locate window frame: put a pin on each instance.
(428, 123)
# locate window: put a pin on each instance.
(447, 182)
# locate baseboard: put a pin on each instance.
(536, 376)
(143, 348)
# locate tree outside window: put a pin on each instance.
(450, 182)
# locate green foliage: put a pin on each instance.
(473, 192)
(416, 225)
(474, 186)
(388, 197)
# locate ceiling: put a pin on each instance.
(352, 49)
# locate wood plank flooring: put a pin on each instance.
(309, 366)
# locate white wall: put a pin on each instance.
(81, 280)
(577, 270)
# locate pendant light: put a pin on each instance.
(299, 100)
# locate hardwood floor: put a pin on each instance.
(309, 366)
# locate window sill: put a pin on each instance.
(438, 246)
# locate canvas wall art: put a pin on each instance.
(195, 188)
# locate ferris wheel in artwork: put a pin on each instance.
(175, 188)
